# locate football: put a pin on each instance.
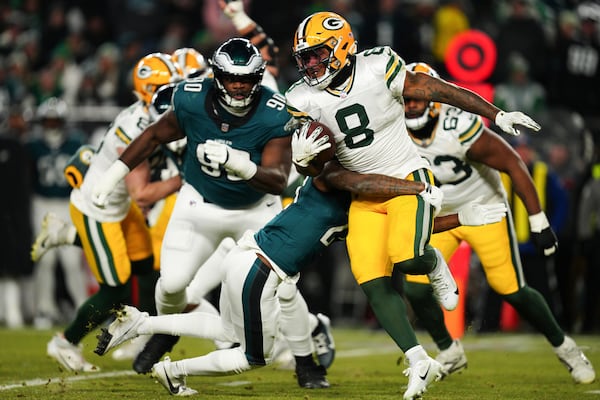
(315, 166)
(317, 163)
(327, 154)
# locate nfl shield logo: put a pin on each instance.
(224, 127)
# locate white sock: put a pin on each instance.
(216, 363)
(416, 354)
(200, 325)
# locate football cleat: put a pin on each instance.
(453, 359)
(55, 232)
(161, 371)
(155, 348)
(572, 357)
(69, 355)
(323, 341)
(312, 377)
(420, 376)
(443, 283)
(123, 328)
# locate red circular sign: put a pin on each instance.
(471, 56)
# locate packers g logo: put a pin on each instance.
(332, 23)
(144, 72)
(86, 156)
(78, 165)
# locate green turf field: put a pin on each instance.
(501, 366)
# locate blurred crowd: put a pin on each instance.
(548, 65)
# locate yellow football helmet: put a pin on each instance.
(191, 63)
(323, 30)
(433, 109)
(151, 72)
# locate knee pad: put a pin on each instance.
(169, 303)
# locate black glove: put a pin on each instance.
(545, 241)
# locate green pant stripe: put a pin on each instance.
(102, 252)
(424, 220)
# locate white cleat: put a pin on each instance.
(122, 329)
(69, 355)
(572, 357)
(453, 359)
(420, 376)
(161, 371)
(55, 232)
(443, 283)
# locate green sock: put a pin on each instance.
(532, 306)
(95, 310)
(390, 310)
(428, 311)
(420, 265)
(146, 278)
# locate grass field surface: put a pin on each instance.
(501, 366)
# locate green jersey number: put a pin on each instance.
(359, 135)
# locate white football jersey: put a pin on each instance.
(365, 114)
(128, 125)
(461, 179)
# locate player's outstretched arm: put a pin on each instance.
(335, 177)
(248, 28)
(425, 87)
(164, 130)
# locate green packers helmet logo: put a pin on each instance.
(86, 156)
(144, 72)
(333, 23)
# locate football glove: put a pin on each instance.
(542, 234)
(434, 196)
(507, 121)
(234, 9)
(305, 149)
(476, 214)
(108, 182)
(236, 162)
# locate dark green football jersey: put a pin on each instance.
(201, 118)
(302, 230)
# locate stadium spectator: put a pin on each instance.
(15, 225)
(51, 145)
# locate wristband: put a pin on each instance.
(538, 222)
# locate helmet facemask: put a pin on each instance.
(321, 73)
(237, 60)
(431, 111)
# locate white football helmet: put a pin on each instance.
(239, 58)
